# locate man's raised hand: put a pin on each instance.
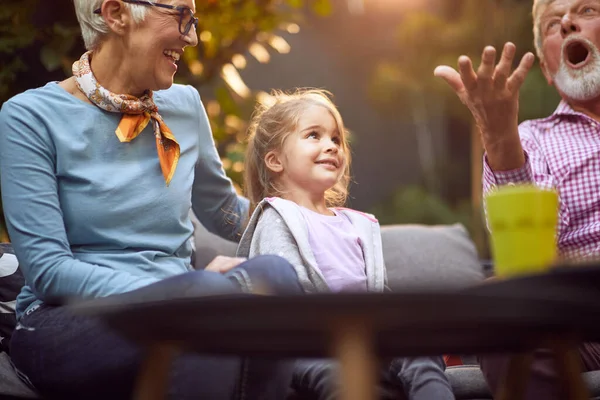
(492, 96)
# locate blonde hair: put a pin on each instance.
(271, 125)
(93, 27)
(539, 6)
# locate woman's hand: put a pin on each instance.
(222, 264)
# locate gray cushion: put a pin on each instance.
(468, 383)
(415, 255)
(592, 380)
(11, 282)
(420, 256)
(208, 245)
(10, 384)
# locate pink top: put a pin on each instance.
(562, 152)
(337, 250)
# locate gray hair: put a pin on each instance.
(539, 6)
(93, 27)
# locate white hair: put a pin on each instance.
(539, 6)
(93, 27)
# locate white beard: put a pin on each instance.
(579, 84)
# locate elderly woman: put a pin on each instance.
(98, 176)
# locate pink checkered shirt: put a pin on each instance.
(562, 151)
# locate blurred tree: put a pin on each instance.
(415, 205)
(39, 40)
(430, 38)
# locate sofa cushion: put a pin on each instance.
(421, 256)
(467, 382)
(415, 255)
(11, 281)
(10, 383)
(208, 245)
(592, 380)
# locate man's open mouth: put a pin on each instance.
(577, 54)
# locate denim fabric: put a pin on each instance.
(73, 357)
(421, 378)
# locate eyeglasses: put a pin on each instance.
(186, 15)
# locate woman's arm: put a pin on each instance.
(214, 199)
(34, 216)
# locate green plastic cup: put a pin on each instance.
(523, 222)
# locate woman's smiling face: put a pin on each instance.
(156, 44)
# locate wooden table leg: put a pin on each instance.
(568, 366)
(154, 375)
(352, 345)
(515, 381)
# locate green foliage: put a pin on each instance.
(16, 32)
(39, 40)
(405, 85)
(414, 205)
(537, 98)
(426, 40)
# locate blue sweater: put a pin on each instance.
(90, 216)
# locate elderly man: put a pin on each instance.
(561, 151)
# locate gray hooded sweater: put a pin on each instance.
(278, 227)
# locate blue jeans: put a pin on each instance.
(73, 357)
(413, 378)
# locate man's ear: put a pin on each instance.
(273, 162)
(116, 16)
(546, 73)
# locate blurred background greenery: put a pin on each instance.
(437, 35)
(417, 157)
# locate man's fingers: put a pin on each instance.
(452, 77)
(486, 68)
(503, 68)
(467, 74)
(518, 76)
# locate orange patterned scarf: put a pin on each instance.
(137, 113)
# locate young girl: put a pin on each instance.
(297, 175)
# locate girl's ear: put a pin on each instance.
(273, 162)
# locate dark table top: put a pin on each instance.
(499, 316)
